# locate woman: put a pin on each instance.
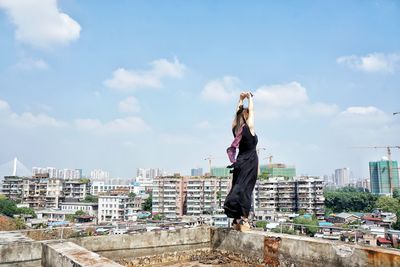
(238, 202)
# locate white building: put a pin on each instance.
(58, 173)
(205, 195)
(149, 173)
(277, 196)
(99, 187)
(75, 189)
(112, 208)
(342, 177)
(99, 174)
(88, 208)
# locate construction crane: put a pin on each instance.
(269, 158)
(389, 156)
(209, 158)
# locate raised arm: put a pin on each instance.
(250, 120)
(240, 103)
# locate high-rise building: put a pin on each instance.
(206, 195)
(342, 177)
(12, 187)
(220, 172)
(278, 170)
(169, 193)
(58, 173)
(149, 173)
(380, 173)
(196, 172)
(99, 175)
(280, 195)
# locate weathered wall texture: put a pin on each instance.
(21, 254)
(118, 247)
(68, 254)
(286, 250)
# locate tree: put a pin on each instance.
(396, 193)
(132, 195)
(261, 224)
(26, 211)
(388, 204)
(349, 199)
(91, 199)
(311, 224)
(158, 217)
(148, 203)
(8, 207)
(80, 213)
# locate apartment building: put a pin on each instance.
(76, 189)
(169, 196)
(89, 208)
(112, 208)
(98, 188)
(205, 195)
(35, 190)
(280, 195)
(13, 187)
(54, 193)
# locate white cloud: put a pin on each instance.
(288, 100)
(129, 105)
(27, 119)
(359, 116)
(128, 80)
(40, 23)
(221, 90)
(31, 64)
(374, 62)
(128, 125)
(202, 125)
(4, 106)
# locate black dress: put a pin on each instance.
(238, 201)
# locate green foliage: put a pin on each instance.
(219, 195)
(19, 223)
(148, 203)
(132, 195)
(261, 224)
(70, 217)
(349, 199)
(8, 207)
(388, 204)
(396, 193)
(302, 212)
(2, 197)
(158, 217)
(80, 213)
(91, 199)
(285, 230)
(312, 224)
(26, 211)
(84, 180)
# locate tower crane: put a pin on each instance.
(209, 158)
(389, 156)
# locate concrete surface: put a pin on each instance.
(257, 248)
(68, 254)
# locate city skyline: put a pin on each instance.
(145, 84)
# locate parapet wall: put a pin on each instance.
(288, 250)
(266, 249)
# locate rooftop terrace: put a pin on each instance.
(202, 246)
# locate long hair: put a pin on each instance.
(240, 119)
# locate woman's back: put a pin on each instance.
(248, 141)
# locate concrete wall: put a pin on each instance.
(21, 254)
(288, 250)
(117, 247)
(68, 254)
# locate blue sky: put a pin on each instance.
(125, 84)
